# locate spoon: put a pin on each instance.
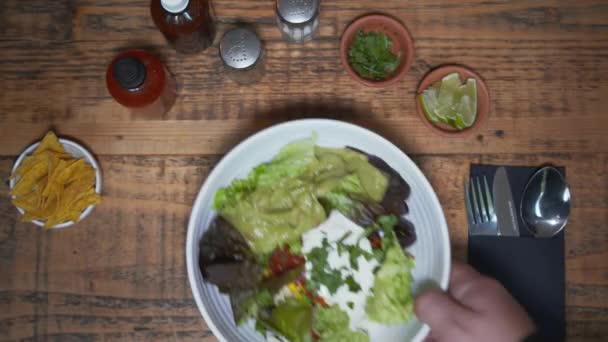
(545, 204)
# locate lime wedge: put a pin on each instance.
(428, 101)
(451, 102)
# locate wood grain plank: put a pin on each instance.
(500, 135)
(527, 78)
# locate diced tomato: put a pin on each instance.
(375, 241)
(315, 335)
(282, 260)
(321, 301)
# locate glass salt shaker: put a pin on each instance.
(242, 53)
(298, 20)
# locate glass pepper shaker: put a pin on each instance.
(298, 20)
(242, 53)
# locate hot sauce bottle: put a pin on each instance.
(139, 81)
(186, 24)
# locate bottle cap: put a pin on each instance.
(174, 6)
(240, 48)
(129, 72)
(297, 11)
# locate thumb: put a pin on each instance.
(437, 309)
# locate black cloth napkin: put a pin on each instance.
(532, 269)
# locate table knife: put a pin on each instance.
(504, 205)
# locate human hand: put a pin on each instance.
(475, 308)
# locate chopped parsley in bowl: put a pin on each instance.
(371, 56)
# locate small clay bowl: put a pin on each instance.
(402, 42)
(483, 100)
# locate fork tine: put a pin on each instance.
(491, 212)
(475, 203)
(482, 202)
(467, 203)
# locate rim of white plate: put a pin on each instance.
(212, 178)
(77, 151)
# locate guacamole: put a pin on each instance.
(281, 200)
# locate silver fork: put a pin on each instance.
(480, 207)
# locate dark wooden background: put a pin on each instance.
(121, 275)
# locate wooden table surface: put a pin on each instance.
(121, 274)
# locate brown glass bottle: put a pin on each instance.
(186, 24)
(139, 81)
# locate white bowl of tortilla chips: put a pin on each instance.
(55, 183)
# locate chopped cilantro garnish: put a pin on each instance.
(321, 273)
(342, 248)
(371, 57)
(352, 284)
(351, 305)
(355, 252)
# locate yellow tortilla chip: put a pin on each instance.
(28, 180)
(30, 216)
(53, 161)
(64, 156)
(27, 164)
(28, 202)
(71, 169)
(52, 185)
(50, 143)
(85, 181)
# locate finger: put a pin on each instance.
(462, 277)
(440, 312)
(430, 337)
(468, 287)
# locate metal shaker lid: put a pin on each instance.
(297, 11)
(240, 48)
(129, 72)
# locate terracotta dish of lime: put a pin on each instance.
(452, 100)
(376, 50)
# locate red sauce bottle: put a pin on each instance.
(138, 80)
(186, 24)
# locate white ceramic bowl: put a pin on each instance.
(431, 250)
(75, 150)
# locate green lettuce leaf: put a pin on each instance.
(391, 300)
(292, 160)
(238, 189)
(331, 324)
(247, 304)
(292, 319)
